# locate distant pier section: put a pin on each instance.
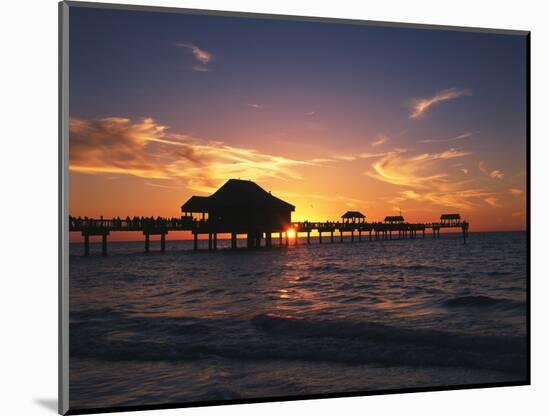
(242, 208)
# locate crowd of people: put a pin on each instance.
(136, 223)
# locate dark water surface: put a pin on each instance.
(182, 326)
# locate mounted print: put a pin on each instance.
(259, 208)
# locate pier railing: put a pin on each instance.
(161, 226)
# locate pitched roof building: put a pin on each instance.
(241, 206)
(353, 216)
(450, 219)
(393, 219)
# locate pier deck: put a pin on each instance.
(357, 231)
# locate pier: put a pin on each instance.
(333, 231)
(242, 208)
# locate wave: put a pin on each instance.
(270, 337)
(480, 301)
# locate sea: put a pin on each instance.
(186, 327)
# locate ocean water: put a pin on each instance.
(326, 318)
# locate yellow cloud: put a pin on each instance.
(429, 177)
(145, 149)
(412, 170)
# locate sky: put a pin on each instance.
(328, 117)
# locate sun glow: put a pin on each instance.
(291, 233)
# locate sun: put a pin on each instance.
(291, 233)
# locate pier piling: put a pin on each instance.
(104, 244)
(149, 226)
(86, 245)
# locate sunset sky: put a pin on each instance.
(329, 117)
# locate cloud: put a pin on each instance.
(199, 54)
(412, 170)
(345, 158)
(452, 139)
(379, 141)
(515, 191)
(199, 68)
(495, 174)
(321, 160)
(421, 105)
(464, 171)
(427, 177)
(325, 197)
(451, 195)
(311, 113)
(255, 105)
(492, 201)
(146, 149)
(368, 155)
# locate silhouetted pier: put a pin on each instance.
(242, 208)
(327, 232)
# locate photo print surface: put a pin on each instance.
(268, 208)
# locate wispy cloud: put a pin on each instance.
(452, 195)
(322, 160)
(199, 54)
(515, 191)
(146, 149)
(421, 105)
(494, 173)
(258, 106)
(452, 139)
(380, 141)
(345, 199)
(428, 178)
(200, 68)
(492, 201)
(497, 174)
(345, 157)
(412, 170)
(368, 155)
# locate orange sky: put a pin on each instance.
(121, 167)
(327, 117)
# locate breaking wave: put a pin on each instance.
(278, 337)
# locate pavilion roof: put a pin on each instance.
(353, 214)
